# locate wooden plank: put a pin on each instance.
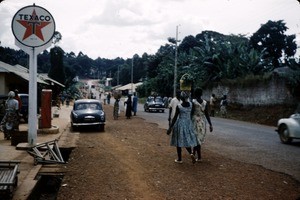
(8, 176)
(52, 170)
(9, 162)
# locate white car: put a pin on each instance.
(289, 128)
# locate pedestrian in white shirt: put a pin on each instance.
(172, 106)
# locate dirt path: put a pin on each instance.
(133, 160)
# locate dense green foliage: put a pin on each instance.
(271, 41)
(210, 57)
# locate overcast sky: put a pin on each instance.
(122, 28)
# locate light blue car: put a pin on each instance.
(289, 128)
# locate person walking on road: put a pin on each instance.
(116, 108)
(108, 98)
(128, 103)
(173, 105)
(134, 103)
(199, 114)
(212, 104)
(223, 106)
(183, 131)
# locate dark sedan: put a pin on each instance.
(154, 104)
(88, 112)
(24, 108)
(3, 99)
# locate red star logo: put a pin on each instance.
(33, 26)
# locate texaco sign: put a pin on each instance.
(33, 26)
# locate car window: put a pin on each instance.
(24, 100)
(91, 106)
(94, 106)
(158, 99)
(80, 106)
(150, 99)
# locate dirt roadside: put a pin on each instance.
(132, 159)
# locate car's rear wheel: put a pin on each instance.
(284, 134)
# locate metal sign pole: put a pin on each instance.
(32, 126)
(32, 104)
(33, 28)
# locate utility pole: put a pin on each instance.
(132, 75)
(118, 75)
(175, 65)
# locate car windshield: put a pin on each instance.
(156, 99)
(91, 106)
(24, 100)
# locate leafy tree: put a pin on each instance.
(57, 37)
(270, 39)
(125, 73)
(187, 44)
(291, 47)
(44, 62)
(86, 68)
(293, 76)
(57, 71)
(209, 57)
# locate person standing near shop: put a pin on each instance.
(17, 97)
(10, 121)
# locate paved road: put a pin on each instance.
(242, 141)
(246, 142)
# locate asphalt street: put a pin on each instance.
(243, 141)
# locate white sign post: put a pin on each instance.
(33, 28)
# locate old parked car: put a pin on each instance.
(24, 108)
(3, 99)
(88, 112)
(154, 104)
(289, 128)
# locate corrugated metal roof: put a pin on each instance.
(19, 71)
(129, 86)
(45, 77)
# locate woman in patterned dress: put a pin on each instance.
(183, 131)
(11, 120)
(116, 108)
(199, 113)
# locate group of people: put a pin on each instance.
(130, 106)
(11, 118)
(188, 118)
(187, 123)
(223, 105)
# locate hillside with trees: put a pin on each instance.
(210, 57)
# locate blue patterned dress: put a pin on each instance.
(183, 130)
(199, 120)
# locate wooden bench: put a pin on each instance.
(8, 178)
